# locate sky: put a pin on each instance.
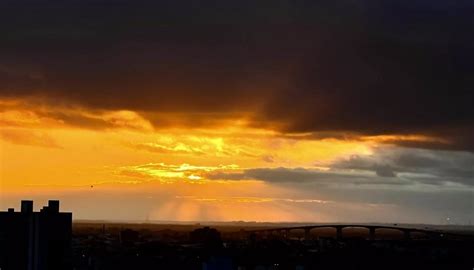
(301, 111)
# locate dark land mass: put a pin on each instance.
(242, 245)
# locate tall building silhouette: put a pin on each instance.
(35, 240)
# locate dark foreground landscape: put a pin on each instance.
(49, 240)
(266, 246)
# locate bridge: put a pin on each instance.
(407, 232)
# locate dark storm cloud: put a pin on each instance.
(306, 176)
(362, 67)
(392, 166)
(426, 166)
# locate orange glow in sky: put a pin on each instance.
(171, 173)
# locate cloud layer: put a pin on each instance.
(387, 166)
(351, 67)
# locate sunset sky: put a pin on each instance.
(355, 111)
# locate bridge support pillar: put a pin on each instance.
(287, 233)
(242, 234)
(338, 233)
(307, 234)
(281, 233)
(371, 233)
(407, 234)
